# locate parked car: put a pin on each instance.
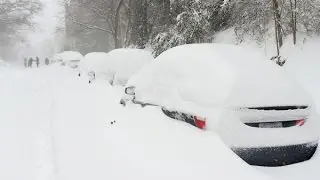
(268, 120)
(125, 62)
(93, 65)
(68, 58)
(117, 66)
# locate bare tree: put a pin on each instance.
(16, 16)
(104, 16)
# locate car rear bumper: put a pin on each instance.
(277, 156)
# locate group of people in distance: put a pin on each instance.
(29, 62)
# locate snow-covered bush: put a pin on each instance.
(192, 26)
(166, 40)
(255, 18)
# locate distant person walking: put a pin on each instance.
(46, 61)
(37, 61)
(30, 63)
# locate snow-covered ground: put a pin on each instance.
(56, 126)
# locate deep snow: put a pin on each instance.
(54, 125)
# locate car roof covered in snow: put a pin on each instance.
(125, 62)
(210, 75)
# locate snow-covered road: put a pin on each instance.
(56, 126)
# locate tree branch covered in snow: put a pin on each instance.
(163, 24)
(91, 26)
(16, 15)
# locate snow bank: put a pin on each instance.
(126, 62)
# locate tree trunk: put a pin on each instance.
(117, 32)
(139, 34)
(276, 26)
(128, 30)
(277, 18)
(166, 12)
(293, 22)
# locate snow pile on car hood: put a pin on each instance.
(67, 56)
(195, 76)
(126, 62)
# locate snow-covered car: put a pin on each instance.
(93, 65)
(268, 120)
(117, 66)
(69, 58)
(125, 62)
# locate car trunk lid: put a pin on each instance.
(274, 116)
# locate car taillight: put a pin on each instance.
(300, 122)
(200, 122)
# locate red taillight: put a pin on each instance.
(200, 122)
(300, 122)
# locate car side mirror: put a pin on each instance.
(130, 90)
